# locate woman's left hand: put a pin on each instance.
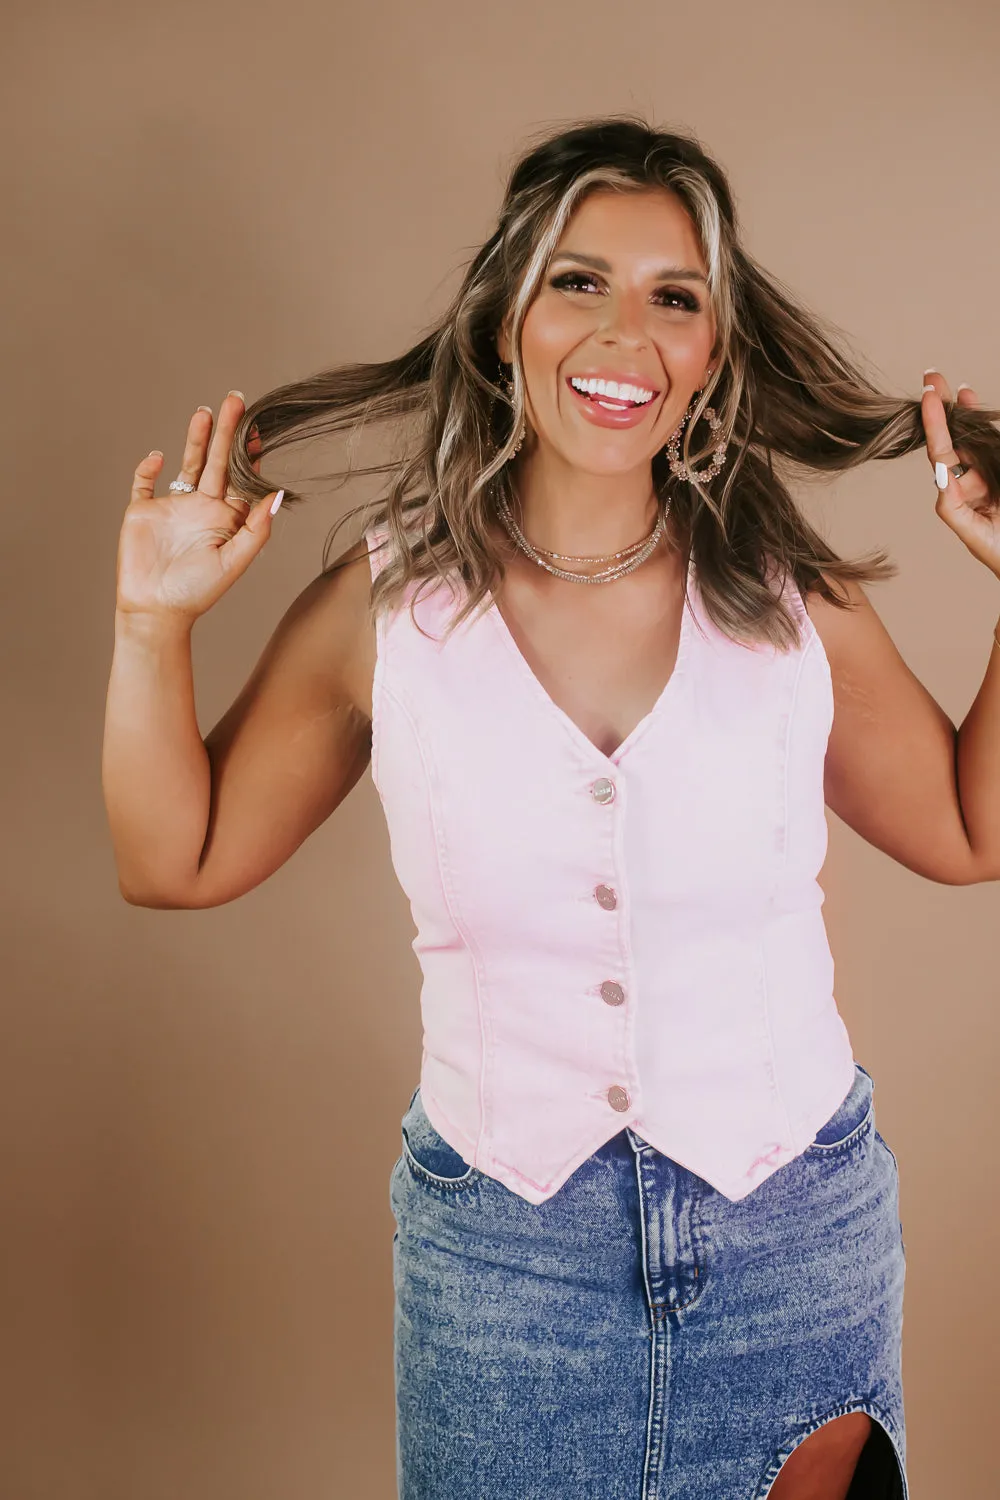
(963, 503)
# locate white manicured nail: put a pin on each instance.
(281, 495)
(941, 476)
(965, 386)
(932, 370)
(929, 388)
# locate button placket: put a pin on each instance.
(603, 791)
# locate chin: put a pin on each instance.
(607, 462)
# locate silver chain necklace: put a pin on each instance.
(639, 551)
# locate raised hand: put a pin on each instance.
(179, 553)
(963, 499)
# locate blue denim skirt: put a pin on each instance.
(639, 1336)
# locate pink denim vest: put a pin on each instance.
(634, 939)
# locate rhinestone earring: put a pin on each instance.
(673, 452)
(508, 387)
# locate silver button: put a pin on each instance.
(606, 897)
(612, 993)
(603, 790)
(618, 1097)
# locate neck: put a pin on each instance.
(570, 511)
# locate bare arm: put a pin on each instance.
(297, 738)
(154, 768)
(198, 823)
(897, 770)
(193, 822)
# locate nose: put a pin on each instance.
(624, 322)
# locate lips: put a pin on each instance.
(611, 392)
(611, 402)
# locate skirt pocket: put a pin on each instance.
(851, 1123)
(428, 1157)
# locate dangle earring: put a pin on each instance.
(508, 387)
(673, 452)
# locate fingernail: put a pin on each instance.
(281, 495)
(929, 388)
(932, 370)
(240, 394)
(941, 476)
(155, 453)
(965, 386)
(206, 408)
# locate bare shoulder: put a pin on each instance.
(853, 635)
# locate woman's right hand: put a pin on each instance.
(178, 554)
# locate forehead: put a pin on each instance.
(647, 224)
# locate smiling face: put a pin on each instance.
(620, 334)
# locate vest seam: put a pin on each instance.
(786, 752)
(789, 727)
(394, 657)
(446, 892)
(378, 688)
(374, 541)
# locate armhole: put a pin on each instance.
(377, 540)
(810, 640)
(792, 596)
(812, 645)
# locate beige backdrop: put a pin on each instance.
(199, 1111)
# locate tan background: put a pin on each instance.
(199, 1111)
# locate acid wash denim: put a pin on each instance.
(639, 1336)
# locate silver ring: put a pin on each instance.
(958, 470)
(181, 487)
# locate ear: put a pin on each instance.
(503, 344)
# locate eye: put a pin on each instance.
(674, 296)
(573, 281)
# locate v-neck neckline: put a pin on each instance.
(569, 723)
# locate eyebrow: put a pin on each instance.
(668, 273)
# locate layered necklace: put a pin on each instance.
(620, 563)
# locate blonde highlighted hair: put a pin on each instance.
(784, 386)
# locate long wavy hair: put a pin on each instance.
(785, 387)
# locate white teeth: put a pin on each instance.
(615, 390)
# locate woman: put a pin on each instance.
(647, 1239)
